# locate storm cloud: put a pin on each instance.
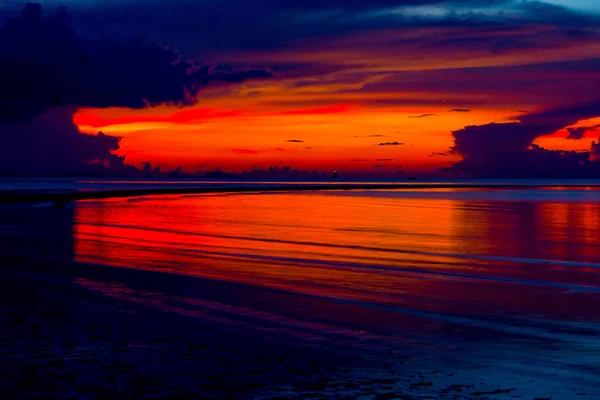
(507, 149)
(47, 72)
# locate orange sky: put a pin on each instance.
(337, 119)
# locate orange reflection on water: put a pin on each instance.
(445, 255)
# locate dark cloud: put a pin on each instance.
(270, 24)
(51, 144)
(595, 152)
(245, 151)
(177, 173)
(578, 133)
(422, 116)
(283, 173)
(148, 171)
(368, 136)
(539, 83)
(507, 150)
(460, 110)
(384, 159)
(390, 144)
(47, 71)
(44, 64)
(439, 154)
(383, 166)
(295, 141)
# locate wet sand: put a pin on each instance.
(64, 336)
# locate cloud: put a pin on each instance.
(384, 159)
(439, 154)
(295, 141)
(390, 144)
(147, 169)
(45, 64)
(256, 151)
(460, 110)
(245, 151)
(273, 25)
(595, 152)
(50, 144)
(282, 173)
(47, 71)
(507, 150)
(368, 136)
(422, 116)
(539, 83)
(340, 108)
(579, 132)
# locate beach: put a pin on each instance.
(443, 293)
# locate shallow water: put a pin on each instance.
(494, 285)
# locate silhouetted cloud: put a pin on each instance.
(390, 144)
(177, 173)
(439, 154)
(595, 152)
(295, 141)
(245, 151)
(578, 133)
(384, 159)
(283, 173)
(47, 71)
(44, 64)
(460, 110)
(50, 144)
(507, 150)
(148, 171)
(368, 136)
(217, 173)
(422, 116)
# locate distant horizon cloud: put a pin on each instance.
(369, 136)
(391, 144)
(422, 116)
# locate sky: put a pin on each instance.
(377, 88)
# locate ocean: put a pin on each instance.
(482, 292)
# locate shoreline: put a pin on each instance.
(63, 198)
(126, 331)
